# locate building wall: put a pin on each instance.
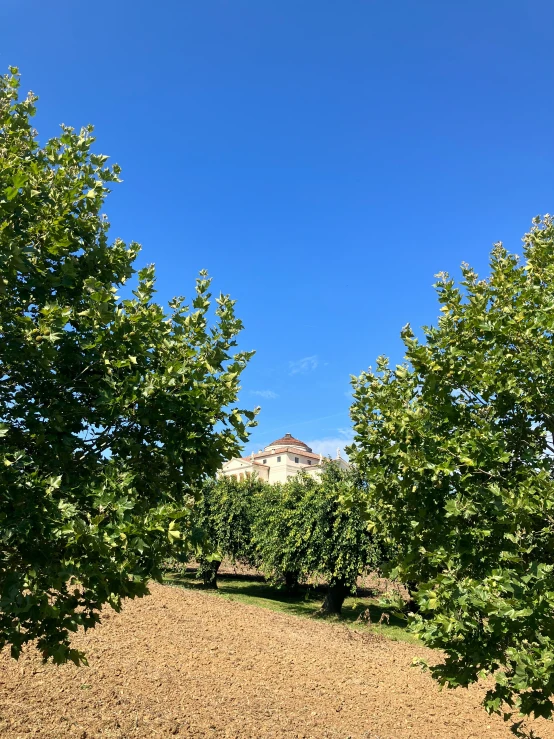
(281, 471)
(303, 460)
(278, 467)
(239, 469)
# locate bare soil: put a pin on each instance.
(193, 665)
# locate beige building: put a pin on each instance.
(280, 460)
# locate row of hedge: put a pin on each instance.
(306, 528)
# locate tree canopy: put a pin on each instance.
(457, 451)
(110, 407)
(315, 527)
(224, 515)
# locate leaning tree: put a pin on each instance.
(110, 407)
(457, 449)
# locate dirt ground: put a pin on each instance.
(194, 665)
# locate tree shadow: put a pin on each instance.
(303, 600)
(358, 612)
(191, 570)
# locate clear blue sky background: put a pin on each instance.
(322, 159)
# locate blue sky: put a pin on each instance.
(322, 159)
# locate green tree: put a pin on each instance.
(223, 514)
(278, 553)
(109, 408)
(456, 447)
(314, 527)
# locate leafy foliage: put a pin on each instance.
(109, 408)
(224, 514)
(279, 554)
(456, 447)
(312, 527)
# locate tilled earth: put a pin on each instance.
(193, 665)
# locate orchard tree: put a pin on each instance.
(315, 527)
(110, 408)
(341, 544)
(277, 553)
(223, 517)
(456, 447)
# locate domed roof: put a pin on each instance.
(289, 440)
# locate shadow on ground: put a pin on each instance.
(305, 601)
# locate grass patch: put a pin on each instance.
(306, 602)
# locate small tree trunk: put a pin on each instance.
(208, 572)
(291, 580)
(332, 605)
(411, 586)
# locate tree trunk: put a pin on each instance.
(208, 572)
(291, 580)
(332, 605)
(411, 586)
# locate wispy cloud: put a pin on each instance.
(328, 446)
(302, 366)
(267, 394)
(345, 432)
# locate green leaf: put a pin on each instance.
(115, 409)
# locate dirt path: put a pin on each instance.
(194, 665)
